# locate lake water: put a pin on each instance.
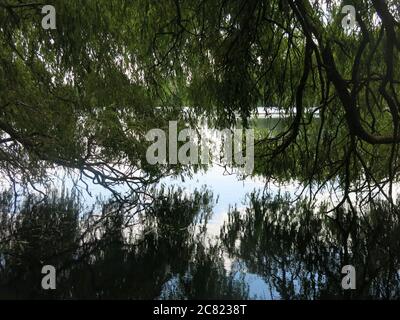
(213, 235)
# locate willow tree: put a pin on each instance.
(297, 56)
(82, 95)
(77, 97)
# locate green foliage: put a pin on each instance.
(82, 96)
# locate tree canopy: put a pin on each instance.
(82, 96)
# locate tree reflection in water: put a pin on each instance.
(161, 255)
(297, 249)
(300, 250)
